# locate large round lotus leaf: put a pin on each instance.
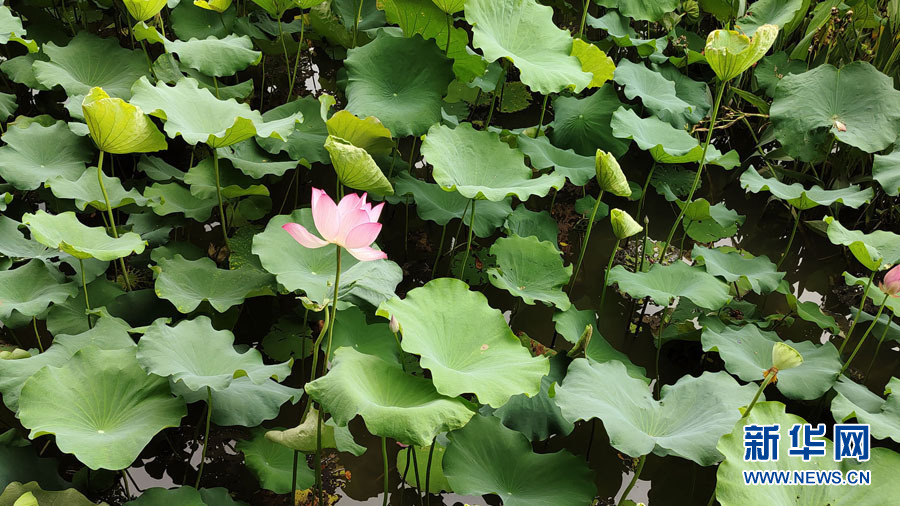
(655, 91)
(433, 203)
(466, 345)
(407, 467)
(66, 233)
(663, 283)
(524, 32)
(747, 353)
(88, 61)
(216, 57)
(857, 104)
(731, 490)
(86, 191)
(770, 12)
(107, 334)
(642, 10)
(368, 134)
(243, 402)
(583, 124)
(687, 421)
(572, 324)
(25, 161)
(525, 223)
(538, 417)
(356, 168)
(530, 269)
(484, 457)
(619, 30)
(857, 401)
(254, 161)
(175, 198)
(876, 250)
(31, 494)
(197, 115)
(478, 165)
(801, 198)
(312, 270)
(185, 496)
(109, 428)
(576, 168)
(391, 402)
(273, 464)
(593, 61)
(15, 245)
(30, 289)
(119, 127)
(196, 354)
(307, 141)
(187, 283)
(758, 272)
(406, 98)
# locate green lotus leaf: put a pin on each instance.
(572, 323)
(89, 61)
(875, 295)
(450, 6)
(175, 198)
(857, 401)
(242, 402)
(276, 9)
(695, 93)
(109, 429)
(407, 98)
(142, 10)
(618, 28)
(353, 331)
(392, 403)
(312, 270)
(886, 170)
(187, 283)
(884, 326)
(307, 141)
(467, 345)
(194, 353)
(8, 106)
(198, 116)
(856, 103)
(25, 161)
(144, 32)
(769, 12)
(747, 353)
(704, 222)
(583, 124)
(356, 168)
(233, 184)
(759, 272)
(576, 168)
(876, 250)
(530, 269)
(253, 161)
(86, 191)
(185, 495)
(801, 198)
(219, 6)
(623, 224)
(730, 53)
(189, 20)
(30, 289)
(66, 233)
(772, 69)
(666, 143)
(538, 417)
(438, 482)
(304, 436)
(523, 31)
(69, 317)
(119, 127)
(478, 165)
(478, 459)
(158, 169)
(11, 30)
(657, 93)
(368, 134)
(31, 494)
(594, 61)
(525, 223)
(663, 283)
(20, 461)
(435, 204)
(429, 20)
(731, 490)
(107, 334)
(610, 175)
(642, 10)
(216, 57)
(687, 421)
(273, 464)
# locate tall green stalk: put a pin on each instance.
(887, 327)
(462, 268)
(584, 243)
(690, 197)
(112, 219)
(428, 474)
(541, 120)
(87, 300)
(356, 22)
(859, 310)
(215, 156)
(790, 240)
(205, 436)
(612, 257)
(770, 375)
(864, 336)
(637, 473)
(337, 283)
(583, 19)
(384, 461)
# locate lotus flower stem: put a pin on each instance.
(215, 157)
(770, 375)
(287, 60)
(112, 219)
(356, 21)
(584, 243)
(405, 473)
(462, 267)
(205, 436)
(887, 326)
(644, 190)
(37, 335)
(612, 257)
(865, 335)
(540, 125)
(262, 83)
(293, 82)
(501, 84)
(125, 484)
(428, 474)
(449, 32)
(320, 489)
(637, 473)
(583, 19)
(690, 197)
(859, 310)
(437, 257)
(87, 300)
(384, 460)
(294, 479)
(790, 240)
(416, 469)
(334, 300)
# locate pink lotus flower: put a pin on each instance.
(351, 224)
(891, 282)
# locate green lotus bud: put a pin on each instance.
(142, 10)
(610, 175)
(785, 357)
(729, 53)
(219, 6)
(119, 127)
(14, 354)
(623, 224)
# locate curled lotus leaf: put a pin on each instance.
(531, 269)
(356, 168)
(798, 196)
(119, 127)
(64, 232)
(877, 250)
